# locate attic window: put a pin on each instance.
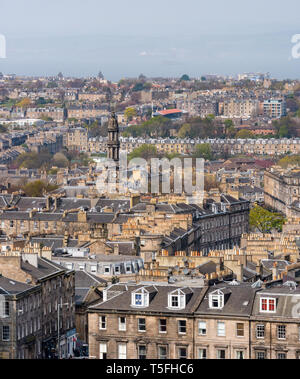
(177, 299)
(216, 300)
(140, 298)
(268, 305)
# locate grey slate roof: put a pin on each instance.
(158, 302)
(238, 301)
(12, 287)
(44, 268)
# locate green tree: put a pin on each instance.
(34, 160)
(60, 160)
(144, 151)
(130, 113)
(185, 131)
(265, 221)
(38, 188)
(244, 133)
(203, 151)
(185, 78)
(24, 103)
(289, 160)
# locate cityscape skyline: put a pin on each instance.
(156, 39)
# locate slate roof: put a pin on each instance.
(238, 301)
(45, 268)
(287, 301)
(125, 248)
(12, 287)
(158, 303)
(83, 283)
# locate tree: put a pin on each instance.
(46, 118)
(185, 131)
(185, 78)
(203, 151)
(60, 160)
(286, 127)
(144, 151)
(265, 221)
(24, 103)
(37, 188)
(289, 160)
(244, 134)
(33, 160)
(130, 113)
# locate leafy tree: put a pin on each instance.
(286, 127)
(33, 160)
(130, 113)
(289, 160)
(244, 133)
(37, 188)
(210, 182)
(144, 151)
(185, 131)
(203, 151)
(24, 103)
(60, 160)
(46, 118)
(185, 78)
(265, 221)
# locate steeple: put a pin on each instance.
(113, 144)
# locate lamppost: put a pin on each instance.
(58, 327)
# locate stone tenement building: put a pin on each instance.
(225, 321)
(282, 190)
(152, 227)
(34, 290)
(260, 146)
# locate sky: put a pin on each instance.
(157, 38)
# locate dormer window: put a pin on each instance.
(177, 299)
(216, 300)
(267, 305)
(140, 298)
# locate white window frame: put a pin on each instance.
(165, 331)
(101, 322)
(268, 304)
(142, 330)
(122, 325)
(223, 329)
(219, 353)
(143, 294)
(102, 349)
(181, 299)
(122, 354)
(202, 355)
(280, 332)
(219, 297)
(179, 321)
(202, 328)
(257, 330)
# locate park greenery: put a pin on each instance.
(46, 161)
